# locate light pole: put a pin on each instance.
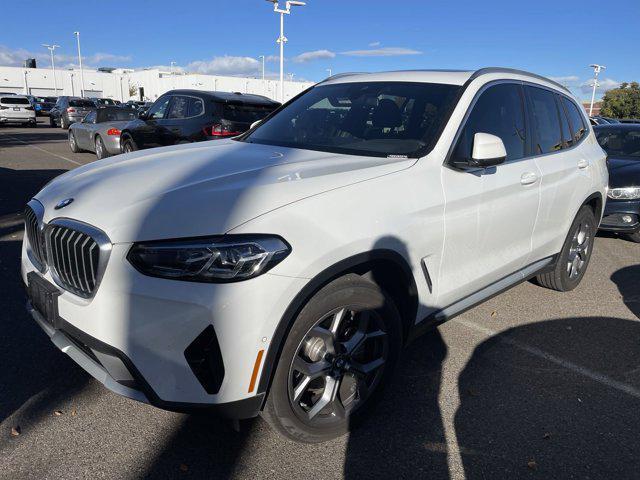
(282, 39)
(596, 70)
(291, 75)
(53, 66)
(329, 70)
(173, 78)
(77, 34)
(262, 57)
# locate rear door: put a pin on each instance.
(489, 213)
(566, 175)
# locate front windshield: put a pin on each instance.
(368, 118)
(620, 142)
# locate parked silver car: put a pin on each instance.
(99, 131)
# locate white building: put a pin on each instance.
(116, 85)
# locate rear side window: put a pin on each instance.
(82, 103)
(196, 107)
(499, 111)
(15, 100)
(178, 108)
(578, 126)
(244, 113)
(545, 121)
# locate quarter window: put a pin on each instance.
(498, 111)
(158, 109)
(578, 127)
(196, 107)
(545, 121)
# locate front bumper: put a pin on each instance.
(615, 214)
(133, 335)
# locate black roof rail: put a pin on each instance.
(487, 70)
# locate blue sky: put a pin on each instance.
(554, 38)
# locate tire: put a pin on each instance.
(347, 373)
(634, 237)
(128, 146)
(73, 144)
(63, 123)
(574, 257)
(101, 151)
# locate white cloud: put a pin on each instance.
(314, 55)
(226, 65)
(15, 58)
(374, 44)
(382, 52)
(604, 84)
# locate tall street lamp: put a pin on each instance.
(282, 39)
(53, 66)
(329, 70)
(262, 57)
(77, 34)
(596, 70)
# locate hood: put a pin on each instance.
(205, 188)
(623, 172)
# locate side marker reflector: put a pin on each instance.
(256, 369)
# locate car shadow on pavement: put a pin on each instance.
(558, 399)
(627, 280)
(34, 374)
(404, 437)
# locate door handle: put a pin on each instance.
(528, 178)
(582, 164)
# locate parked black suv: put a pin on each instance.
(182, 116)
(69, 110)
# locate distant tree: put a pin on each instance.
(133, 90)
(622, 102)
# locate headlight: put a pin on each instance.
(627, 193)
(228, 258)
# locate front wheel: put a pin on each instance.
(340, 352)
(128, 146)
(574, 257)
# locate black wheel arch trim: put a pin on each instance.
(331, 273)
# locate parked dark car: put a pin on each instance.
(622, 210)
(44, 105)
(69, 110)
(182, 116)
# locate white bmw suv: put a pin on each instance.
(281, 272)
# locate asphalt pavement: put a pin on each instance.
(532, 384)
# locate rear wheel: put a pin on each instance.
(634, 237)
(64, 123)
(340, 352)
(73, 145)
(574, 258)
(101, 151)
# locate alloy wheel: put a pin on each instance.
(579, 249)
(72, 141)
(337, 365)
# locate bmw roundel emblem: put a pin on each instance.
(63, 203)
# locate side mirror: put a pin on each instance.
(142, 114)
(255, 124)
(488, 151)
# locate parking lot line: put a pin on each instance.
(41, 149)
(595, 376)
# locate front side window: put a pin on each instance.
(578, 126)
(178, 107)
(499, 111)
(158, 109)
(362, 118)
(567, 137)
(545, 121)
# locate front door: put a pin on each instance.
(490, 213)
